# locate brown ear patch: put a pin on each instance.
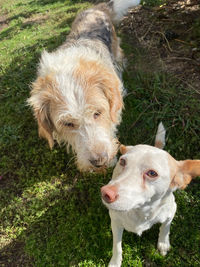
(182, 172)
(123, 149)
(44, 91)
(159, 144)
(93, 74)
(191, 167)
(45, 130)
(180, 181)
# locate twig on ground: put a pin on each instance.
(186, 58)
(181, 41)
(163, 35)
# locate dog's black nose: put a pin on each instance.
(94, 162)
(99, 160)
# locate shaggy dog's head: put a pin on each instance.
(78, 105)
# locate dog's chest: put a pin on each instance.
(139, 220)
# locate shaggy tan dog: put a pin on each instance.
(77, 97)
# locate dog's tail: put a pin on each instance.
(160, 136)
(120, 8)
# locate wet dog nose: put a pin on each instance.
(99, 160)
(109, 193)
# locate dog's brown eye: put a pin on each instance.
(152, 174)
(122, 162)
(69, 124)
(97, 114)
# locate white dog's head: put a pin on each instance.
(79, 104)
(143, 175)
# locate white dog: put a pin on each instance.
(77, 97)
(140, 193)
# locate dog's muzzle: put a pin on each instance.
(99, 160)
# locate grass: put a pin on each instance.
(52, 215)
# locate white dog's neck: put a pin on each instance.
(150, 209)
(142, 218)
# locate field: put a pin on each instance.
(50, 213)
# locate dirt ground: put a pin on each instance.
(170, 37)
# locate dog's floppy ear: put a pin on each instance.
(40, 101)
(185, 171)
(113, 94)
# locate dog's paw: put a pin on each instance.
(163, 247)
(113, 265)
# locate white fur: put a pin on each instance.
(121, 7)
(140, 205)
(160, 135)
(61, 59)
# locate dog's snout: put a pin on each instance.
(109, 193)
(99, 160)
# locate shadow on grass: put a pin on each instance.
(9, 32)
(75, 227)
(19, 139)
(26, 161)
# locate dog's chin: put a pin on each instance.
(122, 207)
(91, 168)
(86, 166)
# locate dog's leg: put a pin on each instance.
(117, 245)
(163, 240)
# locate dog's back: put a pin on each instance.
(96, 25)
(93, 24)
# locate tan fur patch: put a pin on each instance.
(47, 88)
(94, 76)
(182, 172)
(159, 144)
(123, 149)
(116, 49)
(191, 167)
(44, 91)
(176, 180)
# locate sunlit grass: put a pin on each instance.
(49, 208)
